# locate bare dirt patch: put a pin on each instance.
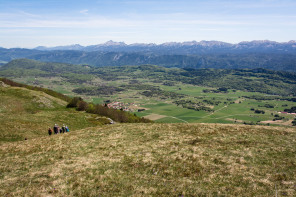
(278, 122)
(154, 116)
(210, 106)
(238, 101)
(235, 120)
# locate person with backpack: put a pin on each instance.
(49, 131)
(63, 128)
(55, 129)
(67, 129)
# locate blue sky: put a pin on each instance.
(31, 23)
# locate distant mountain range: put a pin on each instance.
(183, 48)
(203, 54)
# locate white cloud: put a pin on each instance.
(27, 14)
(92, 22)
(85, 11)
(205, 22)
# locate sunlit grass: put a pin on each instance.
(153, 160)
(28, 114)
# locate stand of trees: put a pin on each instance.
(292, 110)
(114, 114)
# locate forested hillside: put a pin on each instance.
(284, 62)
(254, 80)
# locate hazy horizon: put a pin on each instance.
(32, 23)
(93, 44)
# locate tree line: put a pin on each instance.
(103, 110)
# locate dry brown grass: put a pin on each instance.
(153, 160)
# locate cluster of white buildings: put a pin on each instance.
(283, 112)
(124, 106)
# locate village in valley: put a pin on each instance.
(128, 107)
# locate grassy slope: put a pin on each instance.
(153, 160)
(28, 114)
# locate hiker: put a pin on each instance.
(49, 131)
(55, 129)
(60, 129)
(67, 128)
(63, 128)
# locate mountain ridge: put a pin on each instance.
(204, 54)
(203, 43)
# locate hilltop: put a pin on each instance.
(153, 160)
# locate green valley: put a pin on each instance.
(171, 95)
